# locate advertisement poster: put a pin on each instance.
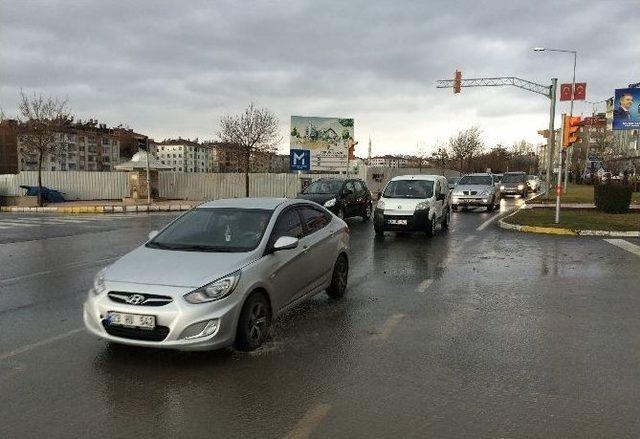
(626, 103)
(325, 138)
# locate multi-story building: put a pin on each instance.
(8, 147)
(184, 155)
(388, 161)
(79, 146)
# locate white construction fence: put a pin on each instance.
(188, 186)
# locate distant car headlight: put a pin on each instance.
(520, 187)
(501, 188)
(423, 205)
(330, 203)
(216, 290)
(99, 286)
(380, 204)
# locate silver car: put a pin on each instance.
(476, 190)
(219, 274)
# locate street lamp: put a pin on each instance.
(573, 86)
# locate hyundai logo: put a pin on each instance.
(136, 299)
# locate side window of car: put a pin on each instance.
(349, 186)
(314, 219)
(288, 224)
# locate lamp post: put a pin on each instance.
(573, 86)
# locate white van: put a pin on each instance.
(413, 203)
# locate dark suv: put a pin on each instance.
(514, 183)
(344, 197)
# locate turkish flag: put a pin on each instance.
(565, 92)
(580, 91)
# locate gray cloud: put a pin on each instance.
(172, 68)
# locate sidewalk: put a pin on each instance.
(571, 206)
(102, 206)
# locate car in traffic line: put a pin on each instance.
(476, 190)
(514, 183)
(413, 203)
(452, 182)
(344, 197)
(219, 274)
(533, 181)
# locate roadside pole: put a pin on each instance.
(569, 152)
(551, 138)
(561, 151)
(148, 173)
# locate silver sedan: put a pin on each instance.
(219, 274)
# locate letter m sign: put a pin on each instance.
(300, 160)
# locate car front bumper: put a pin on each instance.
(418, 221)
(472, 201)
(171, 320)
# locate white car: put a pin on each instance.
(413, 203)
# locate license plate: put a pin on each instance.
(131, 320)
(397, 222)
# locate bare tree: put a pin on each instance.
(255, 131)
(441, 156)
(466, 144)
(42, 118)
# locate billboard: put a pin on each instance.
(326, 139)
(626, 106)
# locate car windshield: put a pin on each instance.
(498, 178)
(513, 178)
(215, 230)
(324, 187)
(483, 180)
(409, 189)
(533, 177)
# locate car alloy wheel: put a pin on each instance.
(254, 322)
(339, 279)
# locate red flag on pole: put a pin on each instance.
(565, 92)
(580, 91)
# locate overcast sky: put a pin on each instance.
(172, 68)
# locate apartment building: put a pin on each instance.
(79, 146)
(184, 155)
(388, 161)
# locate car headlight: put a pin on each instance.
(216, 290)
(457, 193)
(380, 204)
(501, 188)
(423, 205)
(99, 286)
(330, 203)
(520, 187)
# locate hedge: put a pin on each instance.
(612, 198)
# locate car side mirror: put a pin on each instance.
(285, 243)
(153, 234)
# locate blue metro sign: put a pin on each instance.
(300, 160)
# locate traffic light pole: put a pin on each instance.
(552, 135)
(559, 179)
(569, 152)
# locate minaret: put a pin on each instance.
(369, 147)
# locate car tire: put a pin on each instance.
(445, 220)
(367, 212)
(340, 213)
(454, 207)
(254, 322)
(491, 207)
(339, 278)
(431, 227)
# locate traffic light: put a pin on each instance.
(570, 125)
(457, 82)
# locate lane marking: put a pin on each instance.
(387, 327)
(488, 222)
(309, 422)
(424, 285)
(38, 344)
(625, 245)
(56, 270)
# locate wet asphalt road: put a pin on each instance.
(472, 333)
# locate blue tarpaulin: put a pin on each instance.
(48, 195)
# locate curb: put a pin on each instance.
(99, 209)
(563, 231)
